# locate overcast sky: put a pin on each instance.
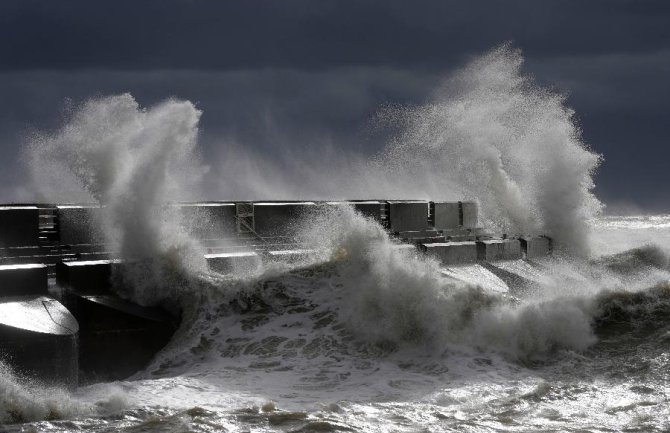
(276, 74)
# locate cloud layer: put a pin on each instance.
(278, 78)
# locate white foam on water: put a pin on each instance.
(477, 275)
(358, 332)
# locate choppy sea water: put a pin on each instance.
(384, 340)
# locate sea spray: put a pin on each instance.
(397, 296)
(491, 134)
(132, 161)
(26, 400)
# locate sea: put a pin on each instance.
(363, 335)
(378, 339)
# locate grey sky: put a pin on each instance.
(298, 74)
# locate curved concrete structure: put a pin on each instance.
(38, 338)
(38, 335)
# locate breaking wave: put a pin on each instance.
(25, 400)
(489, 133)
(132, 161)
(364, 297)
(360, 307)
(493, 135)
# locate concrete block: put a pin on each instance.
(117, 337)
(19, 226)
(234, 262)
(410, 248)
(368, 208)
(279, 219)
(499, 249)
(459, 234)
(469, 214)
(289, 256)
(85, 276)
(23, 280)
(80, 225)
(408, 216)
(535, 246)
(446, 215)
(451, 253)
(208, 220)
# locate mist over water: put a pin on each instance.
(362, 332)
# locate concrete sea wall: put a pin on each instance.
(61, 321)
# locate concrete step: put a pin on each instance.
(415, 234)
(427, 240)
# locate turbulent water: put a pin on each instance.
(362, 335)
(379, 339)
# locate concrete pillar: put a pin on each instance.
(238, 262)
(499, 249)
(452, 253)
(408, 216)
(19, 226)
(469, 214)
(535, 246)
(23, 280)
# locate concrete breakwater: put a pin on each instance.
(62, 321)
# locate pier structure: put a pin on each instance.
(60, 319)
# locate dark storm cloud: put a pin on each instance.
(293, 75)
(198, 34)
(622, 103)
(271, 112)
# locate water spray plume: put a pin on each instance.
(132, 161)
(491, 134)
